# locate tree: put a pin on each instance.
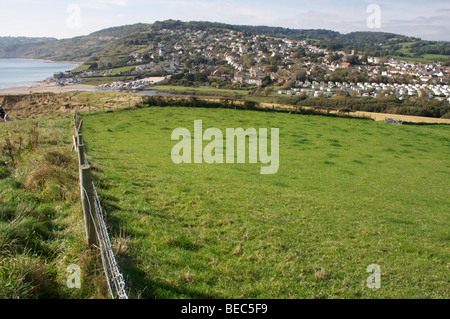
(288, 85)
(272, 68)
(364, 59)
(268, 90)
(301, 75)
(266, 81)
(353, 60)
(247, 60)
(334, 57)
(336, 76)
(189, 77)
(200, 77)
(177, 76)
(342, 93)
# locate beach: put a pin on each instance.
(51, 87)
(45, 88)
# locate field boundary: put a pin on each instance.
(22, 106)
(155, 100)
(96, 229)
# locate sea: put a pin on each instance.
(27, 72)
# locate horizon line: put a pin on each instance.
(221, 23)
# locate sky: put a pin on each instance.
(427, 19)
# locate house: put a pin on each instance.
(239, 77)
(283, 79)
(253, 80)
(254, 71)
(373, 60)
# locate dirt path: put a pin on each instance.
(404, 118)
(375, 116)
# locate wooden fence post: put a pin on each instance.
(74, 144)
(78, 129)
(87, 198)
(75, 120)
(80, 139)
(81, 158)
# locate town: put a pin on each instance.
(232, 59)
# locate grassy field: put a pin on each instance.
(425, 58)
(349, 193)
(41, 224)
(118, 71)
(417, 60)
(199, 89)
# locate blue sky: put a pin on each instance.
(428, 20)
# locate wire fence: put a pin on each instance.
(96, 228)
(116, 283)
(393, 121)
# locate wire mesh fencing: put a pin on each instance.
(96, 228)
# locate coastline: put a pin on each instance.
(43, 87)
(62, 61)
(47, 87)
(45, 60)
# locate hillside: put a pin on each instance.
(119, 41)
(74, 49)
(10, 41)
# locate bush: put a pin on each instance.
(446, 115)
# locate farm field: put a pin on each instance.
(348, 193)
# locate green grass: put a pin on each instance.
(436, 57)
(199, 89)
(349, 193)
(118, 71)
(426, 58)
(81, 68)
(411, 59)
(41, 225)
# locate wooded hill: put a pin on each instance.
(122, 40)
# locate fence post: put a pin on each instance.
(87, 198)
(75, 120)
(78, 129)
(74, 144)
(80, 139)
(81, 159)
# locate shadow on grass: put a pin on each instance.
(139, 284)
